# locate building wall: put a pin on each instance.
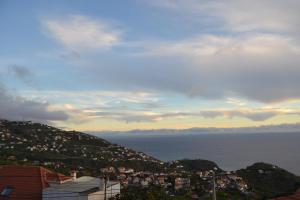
(110, 192)
(113, 190)
(54, 195)
(96, 196)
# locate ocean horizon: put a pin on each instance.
(229, 151)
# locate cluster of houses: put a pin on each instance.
(225, 180)
(43, 138)
(177, 180)
(232, 181)
(128, 177)
(39, 183)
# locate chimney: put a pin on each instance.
(73, 174)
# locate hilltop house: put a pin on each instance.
(182, 183)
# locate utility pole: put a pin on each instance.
(214, 186)
(105, 183)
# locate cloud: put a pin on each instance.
(237, 16)
(130, 116)
(14, 107)
(141, 107)
(235, 101)
(84, 106)
(90, 99)
(275, 15)
(80, 33)
(254, 56)
(72, 55)
(259, 67)
(254, 115)
(22, 73)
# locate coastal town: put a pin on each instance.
(70, 163)
(57, 185)
(86, 158)
(150, 100)
(179, 181)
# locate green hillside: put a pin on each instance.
(27, 142)
(267, 180)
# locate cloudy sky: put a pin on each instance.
(140, 64)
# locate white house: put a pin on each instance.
(83, 188)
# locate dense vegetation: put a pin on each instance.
(198, 165)
(269, 181)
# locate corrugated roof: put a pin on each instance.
(81, 184)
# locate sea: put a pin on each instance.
(229, 151)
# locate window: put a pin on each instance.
(7, 191)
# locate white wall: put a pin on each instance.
(96, 196)
(110, 192)
(54, 195)
(113, 190)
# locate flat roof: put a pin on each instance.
(79, 185)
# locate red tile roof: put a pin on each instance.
(28, 181)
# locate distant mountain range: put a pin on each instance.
(282, 128)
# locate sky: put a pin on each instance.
(138, 64)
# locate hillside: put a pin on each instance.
(267, 180)
(27, 142)
(43, 145)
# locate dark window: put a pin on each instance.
(6, 192)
